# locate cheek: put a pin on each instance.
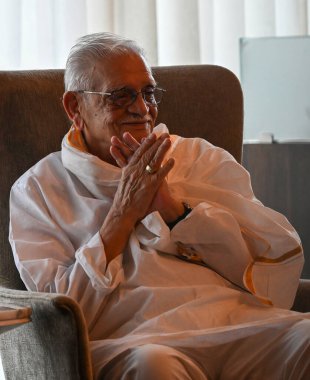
(111, 116)
(154, 113)
(104, 118)
(109, 124)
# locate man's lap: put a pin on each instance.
(275, 352)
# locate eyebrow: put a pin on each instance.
(153, 85)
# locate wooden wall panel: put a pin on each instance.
(281, 180)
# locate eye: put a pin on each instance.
(120, 97)
(149, 94)
(120, 94)
(150, 89)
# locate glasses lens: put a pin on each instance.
(126, 96)
(153, 96)
(122, 97)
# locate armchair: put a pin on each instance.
(202, 100)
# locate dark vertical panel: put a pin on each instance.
(281, 180)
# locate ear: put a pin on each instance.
(72, 107)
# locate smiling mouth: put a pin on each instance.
(137, 122)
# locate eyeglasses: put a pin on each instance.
(124, 97)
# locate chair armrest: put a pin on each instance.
(53, 345)
(302, 299)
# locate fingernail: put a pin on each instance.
(167, 141)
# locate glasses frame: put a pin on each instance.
(134, 95)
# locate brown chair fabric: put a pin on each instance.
(32, 123)
(203, 101)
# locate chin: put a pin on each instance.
(140, 136)
(140, 133)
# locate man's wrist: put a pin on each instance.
(187, 210)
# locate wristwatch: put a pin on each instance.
(187, 210)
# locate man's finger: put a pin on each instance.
(118, 156)
(131, 141)
(159, 155)
(125, 149)
(165, 169)
(148, 148)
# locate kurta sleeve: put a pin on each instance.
(48, 256)
(229, 229)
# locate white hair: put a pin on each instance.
(91, 48)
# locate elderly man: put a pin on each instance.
(180, 271)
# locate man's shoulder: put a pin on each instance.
(48, 167)
(195, 147)
(52, 161)
(192, 145)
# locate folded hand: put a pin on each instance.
(152, 189)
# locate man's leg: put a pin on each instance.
(152, 362)
(274, 354)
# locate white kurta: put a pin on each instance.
(252, 255)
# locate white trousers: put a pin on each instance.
(275, 354)
(152, 362)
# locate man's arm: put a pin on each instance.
(57, 256)
(232, 231)
(229, 229)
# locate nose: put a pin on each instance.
(139, 106)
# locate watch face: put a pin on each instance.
(187, 207)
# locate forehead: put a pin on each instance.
(126, 70)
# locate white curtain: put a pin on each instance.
(39, 33)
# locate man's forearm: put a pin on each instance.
(115, 233)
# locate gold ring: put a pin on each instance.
(149, 169)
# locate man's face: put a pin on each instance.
(101, 119)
